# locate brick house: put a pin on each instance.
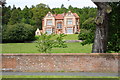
(66, 23)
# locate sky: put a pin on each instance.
(51, 3)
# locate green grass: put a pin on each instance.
(71, 37)
(37, 76)
(31, 48)
(58, 78)
(67, 37)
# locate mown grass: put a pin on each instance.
(66, 37)
(38, 76)
(71, 37)
(31, 48)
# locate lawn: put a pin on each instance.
(57, 78)
(31, 48)
(71, 37)
(37, 76)
(68, 37)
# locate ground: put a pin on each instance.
(31, 48)
(75, 47)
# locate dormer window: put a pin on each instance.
(69, 14)
(49, 15)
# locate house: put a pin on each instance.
(66, 23)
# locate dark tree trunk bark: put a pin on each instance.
(101, 34)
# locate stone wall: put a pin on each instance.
(87, 62)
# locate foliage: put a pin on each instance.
(38, 13)
(6, 12)
(59, 41)
(19, 32)
(114, 28)
(87, 36)
(46, 42)
(87, 33)
(15, 17)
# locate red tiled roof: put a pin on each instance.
(59, 16)
(75, 15)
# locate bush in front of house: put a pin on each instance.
(19, 32)
(46, 42)
(59, 41)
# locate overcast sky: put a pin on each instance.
(51, 3)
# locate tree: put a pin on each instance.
(19, 32)
(70, 7)
(27, 15)
(101, 34)
(6, 14)
(38, 13)
(45, 43)
(15, 17)
(62, 6)
(114, 28)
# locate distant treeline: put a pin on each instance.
(35, 14)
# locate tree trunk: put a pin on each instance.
(101, 34)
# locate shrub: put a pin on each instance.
(59, 41)
(87, 36)
(19, 32)
(47, 42)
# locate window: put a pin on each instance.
(69, 21)
(69, 14)
(59, 25)
(49, 31)
(37, 33)
(49, 22)
(77, 22)
(69, 30)
(49, 14)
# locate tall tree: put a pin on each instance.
(15, 17)
(62, 6)
(6, 14)
(38, 13)
(101, 34)
(114, 28)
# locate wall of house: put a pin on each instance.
(83, 62)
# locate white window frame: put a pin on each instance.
(59, 25)
(68, 30)
(49, 22)
(69, 21)
(49, 31)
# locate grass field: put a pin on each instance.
(67, 37)
(71, 37)
(31, 48)
(37, 76)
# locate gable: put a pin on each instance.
(69, 14)
(49, 14)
